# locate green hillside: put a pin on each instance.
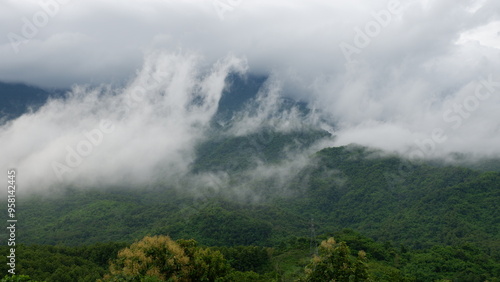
(344, 187)
(416, 216)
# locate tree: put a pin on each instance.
(9, 278)
(160, 258)
(335, 263)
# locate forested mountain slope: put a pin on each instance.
(343, 187)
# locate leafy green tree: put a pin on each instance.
(9, 278)
(160, 258)
(335, 263)
(248, 258)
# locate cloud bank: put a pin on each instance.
(107, 136)
(418, 77)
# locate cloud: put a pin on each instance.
(269, 110)
(104, 41)
(486, 35)
(410, 82)
(117, 136)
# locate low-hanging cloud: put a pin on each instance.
(411, 87)
(129, 135)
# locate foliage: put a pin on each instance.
(16, 278)
(415, 219)
(248, 258)
(464, 263)
(344, 187)
(384, 262)
(60, 263)
(159, 257)
(335, 263)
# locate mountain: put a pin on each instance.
(343, 187)
(281, 189)
(427, 222)
(17, 99)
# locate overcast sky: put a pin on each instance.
(398, 75)
(92, 41)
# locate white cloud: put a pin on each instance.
(150, 128)
(486, 35)
(399, 88)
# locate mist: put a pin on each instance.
(418, 78)
(108, 136)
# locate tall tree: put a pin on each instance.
(335, 263)
(160, 258)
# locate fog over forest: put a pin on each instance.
(143, 81)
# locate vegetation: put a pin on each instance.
(336, 264)
(159, 258)
(60, 263)
(349, 256)
(392, 220)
